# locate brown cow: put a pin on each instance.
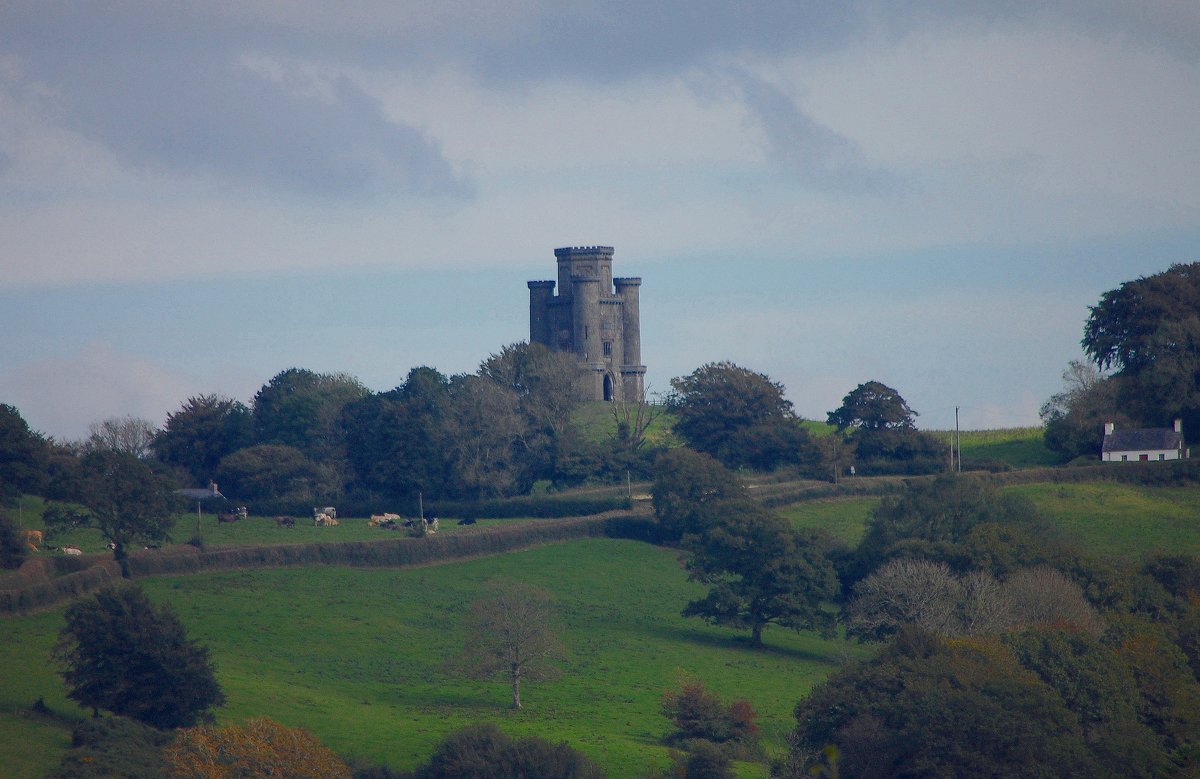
(285, 521)
(33, 538)
(228, 517)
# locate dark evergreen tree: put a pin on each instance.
(121, 653)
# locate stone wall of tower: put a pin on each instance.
(632, 371)
(588, 318)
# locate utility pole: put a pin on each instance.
(958, 436)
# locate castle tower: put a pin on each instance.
(599, 325)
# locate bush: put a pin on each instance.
(261, 747)
(113, 746)
(485, 752)
(701, 716)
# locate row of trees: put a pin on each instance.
(742, 419)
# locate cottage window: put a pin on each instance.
(1162, 456)
(1124, 458)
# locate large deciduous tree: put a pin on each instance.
(301, 408)
(127, 434)
(128, 500)
(761, 571)
(547, 385)
(486, 438)
(1148, 330)
(397, 441)
(121, 653)
(738, 416)
(688, 490)
(880, 424)
(1074, 418)
(271, 472)
(204, 430)
(513, 634)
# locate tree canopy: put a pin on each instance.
(204, 430)
(925, 706)
(738, 416)
(761, 571)
(1148, 329)
(121, 653)
(23, 454)
(128, 500)
(512, 633)
(688, 488)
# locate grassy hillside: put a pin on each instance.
(355, 656)
(1107, 519)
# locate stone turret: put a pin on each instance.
(587, 317)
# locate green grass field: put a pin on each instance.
(356, 656)
(1020, 447)
(1122, 520)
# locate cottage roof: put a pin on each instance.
(1143, 440)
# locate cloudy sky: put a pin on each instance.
(195, 196)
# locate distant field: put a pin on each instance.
(259, 530)
(844, 518)
(1020, 447)
(355, 656)
(1121, 520)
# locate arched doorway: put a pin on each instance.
(608, 387)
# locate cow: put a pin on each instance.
(223, 517)
(72, 550)
(467, 521)
(34, 539)
(324, 520)
(328, 511)
(389, 524)
(285, 521)
(433, 525)
(379, 519)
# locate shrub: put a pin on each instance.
(113, 746)
(261, 747)
(485, 752)
(701, 716)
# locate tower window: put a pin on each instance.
(608, 348)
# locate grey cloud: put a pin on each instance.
(166, 96)
(808, 150)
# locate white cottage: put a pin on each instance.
(1145, 444)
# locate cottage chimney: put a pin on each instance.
(1108, 428)
(1178, 425)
